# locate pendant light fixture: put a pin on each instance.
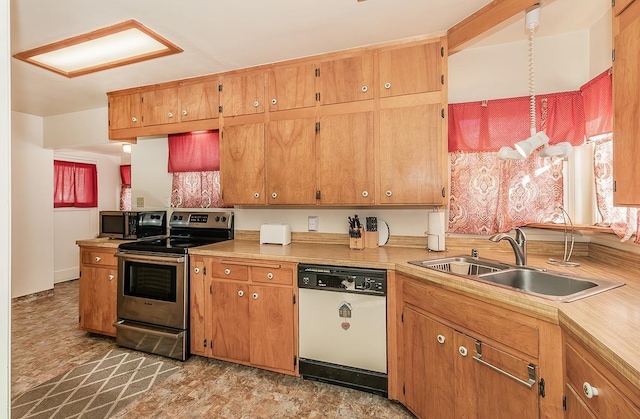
(524, 148)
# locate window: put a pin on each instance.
(194, 160)
(75, 184)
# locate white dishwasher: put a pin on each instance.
(343, 326)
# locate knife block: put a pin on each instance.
(357, 243)
(371, 239)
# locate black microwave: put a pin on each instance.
(132, 224)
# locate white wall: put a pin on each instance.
(600, 45)
(149, 177)
(31, 207)
(90, 127)
(71, 224)
(5, 212)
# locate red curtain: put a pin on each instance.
(489, 125)
(194, 152)
(125, 174)
(125, 189)
(75, 185)
(597, 96)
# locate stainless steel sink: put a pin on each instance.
(557, 286)
(462, 265)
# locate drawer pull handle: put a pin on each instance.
(227, 271)
(240, 293)
(255, 295)
(111, 277)
(589, 390)
(269, 275)
(365, 194)
(531, 368)
(134, 119)
(184, 112)
(274, 101)
(388, 193)
(463, 351)
(387, 85)
(440, 339)
(196, 270)
(256, 104)
(256, 195)
(97, 258)
(364, 89)
(170, 114)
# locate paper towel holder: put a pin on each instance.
(436, 209)
(438, 237)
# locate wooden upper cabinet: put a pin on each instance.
(408, 70)
(290, 162)
(291, 87)
(242, 164)
(198, 101)
(626, 102)
(160, 106)
(347, 79)
(345, 158)
(125, 111)
(412, 158)
(620, 5)
(242, 94)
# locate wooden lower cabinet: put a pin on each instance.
(98, 286)
(239, 316)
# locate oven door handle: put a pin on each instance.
(150, 258)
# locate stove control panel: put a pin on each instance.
(221, 220)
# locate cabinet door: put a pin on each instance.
(98, 299)
(346, 80)
(198, 292)
(429, 366)
(409, 70)
(626, 124)
(575, 407)
(271, 325)
(291, 87)
(412, 159)
(242, 94)
(160, 106)
(242, 164)
(230, 320)
(125, 111)
(346, 159)
(198, 101)
(481, 385)
(290, 162)
(620, 5)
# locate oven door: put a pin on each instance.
(152, 289)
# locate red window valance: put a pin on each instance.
(489, 125)
(125, 174)
(597, 96)
(194, 152)
(75, 184)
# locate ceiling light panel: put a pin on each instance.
(126, 43)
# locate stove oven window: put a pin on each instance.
(155, 282)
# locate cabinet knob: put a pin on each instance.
(440, 339)
(256, 104)
(240, 293)
(255, 295)
(256, 195)
(274, 101)
(170, 115)
(269, 275)
(184, 112)
(274, 195)
(364, 89)
(134, 119)
(388, 193)
(365, 194)
(111, 277)
(589, 391)
(196, 270)
(387, 85)
(463, 351)
(227, 271)
(97, 258)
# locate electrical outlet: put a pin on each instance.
(140, 202)
(314, 220)
(167, 202)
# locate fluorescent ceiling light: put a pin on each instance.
(125, 43)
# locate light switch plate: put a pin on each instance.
(140, 202)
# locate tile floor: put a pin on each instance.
(46, 342)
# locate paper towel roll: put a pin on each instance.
(435, 226)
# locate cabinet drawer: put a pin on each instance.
(99, 257)
(583, 368)
(476, 318)
(278, 274)
(229, 269)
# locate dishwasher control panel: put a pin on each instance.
(343, 279)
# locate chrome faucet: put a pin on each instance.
(519, 245)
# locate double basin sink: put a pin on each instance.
(557, 286)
